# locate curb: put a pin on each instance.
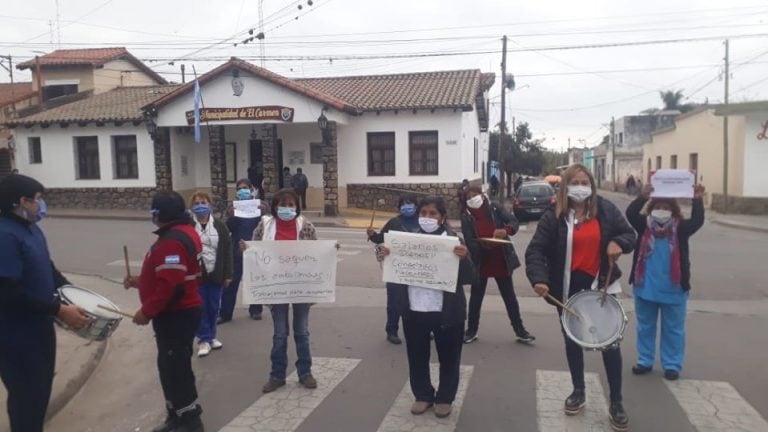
(75, 384)
(97, 217)
(739, 225)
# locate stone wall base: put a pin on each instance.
(367, 195)
(100, 198)
(740, 205)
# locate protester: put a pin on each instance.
(486, 219)
(433, 313)
(570, 251)
(28, 304)
(240, 229)
(300, 183)
(169, 293)
(462, 193)
(661, 275)
(217, 269)
(286, 224)
(407, 221)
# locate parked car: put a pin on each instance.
(532, 199)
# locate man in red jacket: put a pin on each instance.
(168, 289)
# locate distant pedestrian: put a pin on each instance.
(406, 221)
(494, 185)
(518, 183)
(300, 183)
(661, 276)
(631, 185)
(287, 179)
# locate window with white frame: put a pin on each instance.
(87, 158)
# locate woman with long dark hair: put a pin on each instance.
(571, 251)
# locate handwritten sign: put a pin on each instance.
(673, 183)
(247, 209)
(276, 272)
(421, 260)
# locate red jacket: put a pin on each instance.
(171, 271)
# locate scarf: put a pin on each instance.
(656, 230)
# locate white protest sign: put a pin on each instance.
(421, 260)
(672, 183)
(247, 209)
(276, 272)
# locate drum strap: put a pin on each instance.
(568, 255)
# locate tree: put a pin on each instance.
(672, 99)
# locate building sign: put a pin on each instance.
(763, 135)
(276, 113)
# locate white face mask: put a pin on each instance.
(661, 216)
(429, 225)
(579, 193)
(475, 202)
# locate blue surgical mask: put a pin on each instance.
(244, 194)
(42, 211)
(154, 213)
(286, 213)
(408, 210)
(201, 210)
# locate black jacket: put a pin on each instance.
(545, 256)
(224, 260)
(687, 228)
(454, 304)
(501, 219)
(394, 224)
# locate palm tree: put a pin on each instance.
(672, 100)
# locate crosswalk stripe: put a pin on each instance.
(716, 406)
(399, 417)
(285, 409)
(121, 263)
(552, 387)
(347, 252)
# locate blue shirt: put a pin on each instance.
(657, 284)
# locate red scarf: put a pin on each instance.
(658, 230)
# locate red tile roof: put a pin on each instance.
(95, 57)
(16, 92)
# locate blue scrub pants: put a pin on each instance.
(672, 333)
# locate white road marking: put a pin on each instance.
(552, 387)
(400, 419)
(343, 252)
(286, 408)
(716, 406)
(121, 263)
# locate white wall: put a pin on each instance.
(297, 137)
(470, 130)
(198, 161)
(755, 157)
(257, 92)
(58, 169)
(352, 141)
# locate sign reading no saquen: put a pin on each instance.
(421, 260)
(272, 113)
(276, 272)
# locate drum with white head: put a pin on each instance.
(599, 322)
(103, 322)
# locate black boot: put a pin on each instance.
(619, 417)
(170, 424)
(190, 421)
(575, 402)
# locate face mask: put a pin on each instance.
(429, 225)
(37, 217)
(201, 210)
(154, 214)
(286, 213)
(579, 193)
(475, 202)
(661, 216)
(408, 210)
(244, 194)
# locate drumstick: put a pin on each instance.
(127, 263)
(495, 240)
(119, 312)
(559, 303)
(376, 204)
(607, 283)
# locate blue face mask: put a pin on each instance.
(42, 211)
(286, 213)
(201, 210)
(154, 213)
(408, 210)
(244, 194)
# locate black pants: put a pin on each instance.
(27, 361)
(175, 334)
(302, 198)
(575, 354)
(507, 291)
(417, 327)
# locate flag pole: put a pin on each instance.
(207, 122)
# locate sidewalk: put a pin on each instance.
(744, 222)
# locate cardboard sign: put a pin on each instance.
(300, 271)
(673, 183)
(421, 260)
(247, 209)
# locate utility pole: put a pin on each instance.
(183, 75)
(502, 123)
(613, 154)
(725, 131)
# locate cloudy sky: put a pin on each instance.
(570, 90)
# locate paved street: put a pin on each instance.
(363, 380)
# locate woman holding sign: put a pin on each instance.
(571, 251)
(440, 313)
(482, 220)
(287, 224)
(661, 275)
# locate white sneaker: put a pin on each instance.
(216, 344)
(203, 349)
